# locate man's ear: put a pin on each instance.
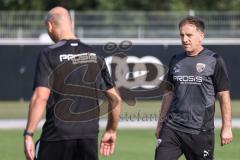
(49, 27)
(72, 22)
(202, 35)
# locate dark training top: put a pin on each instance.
(76, 77)
(196, 81)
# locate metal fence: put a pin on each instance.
(131, 24)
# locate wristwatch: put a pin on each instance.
(26, 133)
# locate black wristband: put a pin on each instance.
(26, 133)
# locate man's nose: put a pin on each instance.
(184, 38)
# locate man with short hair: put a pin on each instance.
(69, 80)
(186, 123)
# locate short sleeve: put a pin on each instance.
(107, 81)
(220, 77)
(42, 71)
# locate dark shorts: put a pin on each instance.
(81, 149)
(172, 144)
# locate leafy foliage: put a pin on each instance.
(81, 5)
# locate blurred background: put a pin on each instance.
(151, 26)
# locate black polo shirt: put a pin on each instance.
(196, 80)
(76, 77)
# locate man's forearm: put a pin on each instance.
(113, 115)
(226, 111)
(37, 107)
(167, 98)
(114, 108)
(36, 110)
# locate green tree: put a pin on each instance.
(206, 5)
(112, 5)
(134, 5)
(47, 4)
(79, 5)
(21, 5)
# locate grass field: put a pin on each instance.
(131, 145)
(19, 109)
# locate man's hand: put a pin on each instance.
(108, 141)
(226, 136)
(157, 132)
(29, 149)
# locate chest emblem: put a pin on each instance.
(200, 67)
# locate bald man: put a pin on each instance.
(68, 80)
